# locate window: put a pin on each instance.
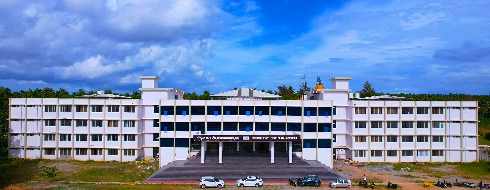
(437, 110)
(198, 126)
(129, 137)
(262, 110)
(422, 153)
(49, 108)
(297, 146)
(309, 143)
(422, 124)
(324, 143)
(278, 110)
(294, 111)
(392, 153)
(65, 122)
(324, 127)
(278, 126)
(155, 109)
(166, 142)
(360, 124)
(407, 152)
(423, 110)
(214, 109)
(230, 110)
(391, 139)
(376, 153)
(392, 124)
(246, 110)
(166, 110)
(376, 124)
(96, 137)
(309, 127)
(112, 108)
(80, 137)
(65, 108)
(214, 126)
(81, 123)
(423, 138)
(129, 123)
(230, 126)
(294, 126)
(65, 151)
(376, 110)
(96, 123)
(437, 124)
(360, 138)
(245, 126)
(49, 137)
(407, 110)
(437, 139)
(437, 153)
(309, 111)
(198, 110)
(376, 139)
(166, 126)
(407, 138)
(112, 137)
(129, 152)
(392, 110)
(50, 122)
(80, 151)
(156, 137)
(130, 109)
(15, 106)
(407, 124)
(324, 111)
(360, 110)
(360, 153)
(96, 151)
(81, 108)
(182, 110)
(112, 152)
(182, 126)
(182, 142)
(96, 108)
(113, 123)
(49, 151)
(65, 137)
(261, 126)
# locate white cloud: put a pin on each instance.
(23, 82)
(111, 4)
(234, 4)
(131, 79)
(90, 68)
(418, 20)
(210, 79)
(199, 73)
(251, 6)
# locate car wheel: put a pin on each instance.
(203, 186)
(302, 185)
(316, 185)
(334, 187)
(256, 185)
(241, 185)
(219, 186)
(349, 187)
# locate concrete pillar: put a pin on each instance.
(237, 146)
(203, 151)
(272, 152)
(220, 152)
(253, 146)
(290, 152)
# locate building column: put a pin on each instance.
(237, 146)
(220, 152)
(203, 151)
(272, 152)
(253, 147)
(290, 152)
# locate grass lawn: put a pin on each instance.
(155, 186)
(15, 171)
(475, 170)
(483, 141)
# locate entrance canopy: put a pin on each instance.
(254, 138)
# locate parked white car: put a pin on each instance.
(250, 181)
(210, 181)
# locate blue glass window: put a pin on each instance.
(168, 125)
(309, 127)
(278, 126)
(168, 110)
(294, 111)
(182, 126)
(197, 126)
(167, 142)
(294, 126)
(262, 109)
(230, 126)
(181, 110)
(334, 110)
(311, 110)
(155, 137)
(246, 110)
(233, 110)
(324, 127)
(155, 109)
(155, 123)
(334, 138)
(182, 142)
(278, 110)
(309, 143)
(324, 143)
(334, 124)
(243, 126)
(325, 111)
(261, 126)
(198, 110)
(214, 126)
(214, 110)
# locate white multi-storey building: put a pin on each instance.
(326, 125)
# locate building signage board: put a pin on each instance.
(251, 138)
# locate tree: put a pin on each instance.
(318, 81)
(487, 136)
(286, 93)
(367, 90)
(304, 85)
(49, 172)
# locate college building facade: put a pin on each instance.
(326, 124)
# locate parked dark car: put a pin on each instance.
(486, 186)
(311, 180)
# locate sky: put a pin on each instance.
(217, 45)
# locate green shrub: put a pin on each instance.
(487, 136)
(49, 172)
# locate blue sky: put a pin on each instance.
(398, 46)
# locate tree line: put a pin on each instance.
(286, 93)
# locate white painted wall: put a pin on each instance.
(325, 156)
(309, 153)
(167, 155)
(181, 153)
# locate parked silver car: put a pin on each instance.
(341, 182)
(210, 181)
(250, 181)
